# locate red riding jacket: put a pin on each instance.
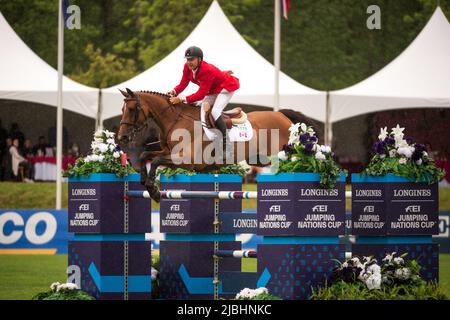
(210, 79)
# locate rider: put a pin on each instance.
(216, 88)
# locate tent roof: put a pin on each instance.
(25, 76)
(224, 47)
(418, 77)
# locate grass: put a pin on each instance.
(249, 264)
(39, 195)
(23, 276)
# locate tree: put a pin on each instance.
(104, 70)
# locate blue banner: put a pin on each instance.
(34, 231)
(46, 231)
(444, 231)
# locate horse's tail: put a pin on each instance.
(296, 117)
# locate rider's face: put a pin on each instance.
(192, 63)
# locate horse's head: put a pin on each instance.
(133, 116)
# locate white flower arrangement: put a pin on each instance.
(394, 144)
(105, 157)
(103, 145)
(301, 134)
(393, 270)
(64, 287)
(304, 153)
(154, 274)
(395, 154)
(282, 155)
(402, 273)
(248, 294)
(370, 273)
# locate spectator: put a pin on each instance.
(27, 152)
(52, 137)
(74, 150)
(15, 133)
(3, 150)
(3, 137)
(27, 149)
(20, 165)
(40, 148)
(6, 166)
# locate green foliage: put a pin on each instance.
(428, 172)
(169, 172)
(156, 263)
(365, 279)
(232, 169)
(228, 169)
(324, 44)
(328, 169)
(70, 295)
(109, 165)
(342, 290)
(104, 70)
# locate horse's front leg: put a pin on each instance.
(152, 189)
(143, 159)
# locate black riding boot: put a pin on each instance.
(226, 145)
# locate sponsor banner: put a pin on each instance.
(300, 208)
(45, 231)
(99, 206)
(443, 238)
(388, 205)
(34, 231)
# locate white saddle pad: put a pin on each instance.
(238, 133)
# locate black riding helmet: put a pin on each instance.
(193, 52)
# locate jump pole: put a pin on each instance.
(223, 195)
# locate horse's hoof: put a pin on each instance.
(155, 195)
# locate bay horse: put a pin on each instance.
(138, 107)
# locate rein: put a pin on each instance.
(136, 128)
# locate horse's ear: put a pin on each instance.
(131, 93)
(123, 93)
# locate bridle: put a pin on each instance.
(138, 109)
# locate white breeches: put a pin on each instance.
(218, 102)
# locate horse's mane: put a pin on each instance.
(164, 95)
(193, 108)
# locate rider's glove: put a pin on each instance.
(177, 100)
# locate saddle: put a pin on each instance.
(231, 117)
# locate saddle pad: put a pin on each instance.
(238, 133)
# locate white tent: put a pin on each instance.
(419, 77)
(25, 76)
(224, 47)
